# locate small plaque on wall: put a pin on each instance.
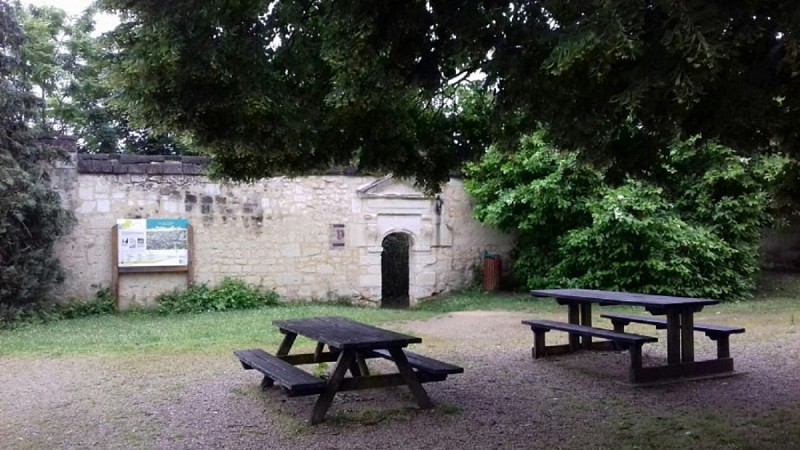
(337, 235)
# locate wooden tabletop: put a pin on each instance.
(343, 333)
(622, 298)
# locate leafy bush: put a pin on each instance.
(103, 303)
(691, 227)
(636, 242)
(229, 295)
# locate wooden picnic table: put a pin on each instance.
(679, 324)
(350, 344)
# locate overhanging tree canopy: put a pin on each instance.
(291, 86)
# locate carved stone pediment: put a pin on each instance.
(391, 205)
(389, 187)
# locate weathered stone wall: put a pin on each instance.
(276, 232)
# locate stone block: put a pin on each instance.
(324, 269)
(193, 169)
(369, 280)
(171, 168)
(87, 207)
(85, 193)
(95, 166)
(291, 279)
(103, 206)
(198, 160)
(426, 279)
(154, 169)
(290, 250)
(92, 156)
(138, 168)
(171, 207)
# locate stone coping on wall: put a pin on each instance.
(141, 164)
(101, 163)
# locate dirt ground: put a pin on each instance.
(504, 399)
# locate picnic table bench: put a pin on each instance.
(294, 380)
(632, 342)
(719, 333)
(678, 321)
(350, 344)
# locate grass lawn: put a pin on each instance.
(220, 331)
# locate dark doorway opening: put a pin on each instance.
(394, 271)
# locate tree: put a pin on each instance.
(294, 85)
(67, 65)
(690, 228)
(31, 217)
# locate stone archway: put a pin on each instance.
(395, 271)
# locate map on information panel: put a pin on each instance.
(153, 242)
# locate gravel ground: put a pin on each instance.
(503, 399)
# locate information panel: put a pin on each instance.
(152, 242)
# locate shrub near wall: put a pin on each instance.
(230, 294)
(691, 227)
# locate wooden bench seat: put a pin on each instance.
(293, 380)
(718, 333)
(633, 342)
(424, 363)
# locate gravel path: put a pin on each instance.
(504, 399)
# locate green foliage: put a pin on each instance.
(231, 294)
(101, 304)
(31, 217)
(289, 86)
(292, 87)
(636, 242)
(321, 370)
(690, 228)
(536, 193)
(68, 65)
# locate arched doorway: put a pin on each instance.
(394, 271)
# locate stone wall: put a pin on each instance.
(276, 232)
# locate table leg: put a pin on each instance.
(586, 319)
(286, 344)
(355, 367)
(362, 364)
(410, 378)
(573, 316)
(687, 336)
(346, 358)
(318, 351)
(673, 337)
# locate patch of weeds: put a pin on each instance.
(101, 304)
(321, 370)
(448, 409)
